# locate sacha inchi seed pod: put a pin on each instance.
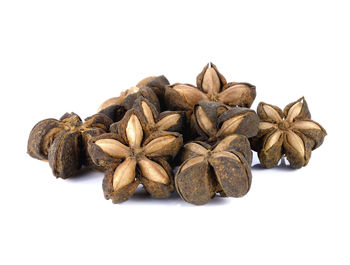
(211, 86)
(290, 132)
(64, 142)
(222, 169)
(130, 158)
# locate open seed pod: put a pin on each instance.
(214, 121)
(214, 85)
(211, 86)
(130, 159)
(206, 170)
(290, 132)
(63, 142)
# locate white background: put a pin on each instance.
(58, 56)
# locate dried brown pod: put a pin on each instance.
(211, 86)
(116, 107)
(152, 121)
(130, 158)
(290, 132)
(206, 171)
(157, 84)
(214, 121)
(64, 142)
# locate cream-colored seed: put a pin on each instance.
(231, 125)
(113, 148)
(296, 142)
(211, 81)
(272, 113)
(306, 125)
(273, 139)
(233, 93)
(294, 111)
(204, 122)
(148, 113)
(191, 95)
(124, 173)
(266, 125)
(153, 171)
(195, 148)
(134, 131)
(159, 144)
(168, 121)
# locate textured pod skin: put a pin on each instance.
(37, 144)
(158, 84)
(249, 126)
(234, 177)
(206, 171)
(195, 184)
(64, 158)
(289, 133)
(64, 142)
(238, 143)
(114, 112)
(84, 153)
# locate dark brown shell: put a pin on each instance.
(38, 144)
(64, 155)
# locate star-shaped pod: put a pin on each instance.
(291, 133)
(213, 121)
(152, 121)
(206, 171)
(130, 159)
(64, 142)
(211, 86)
